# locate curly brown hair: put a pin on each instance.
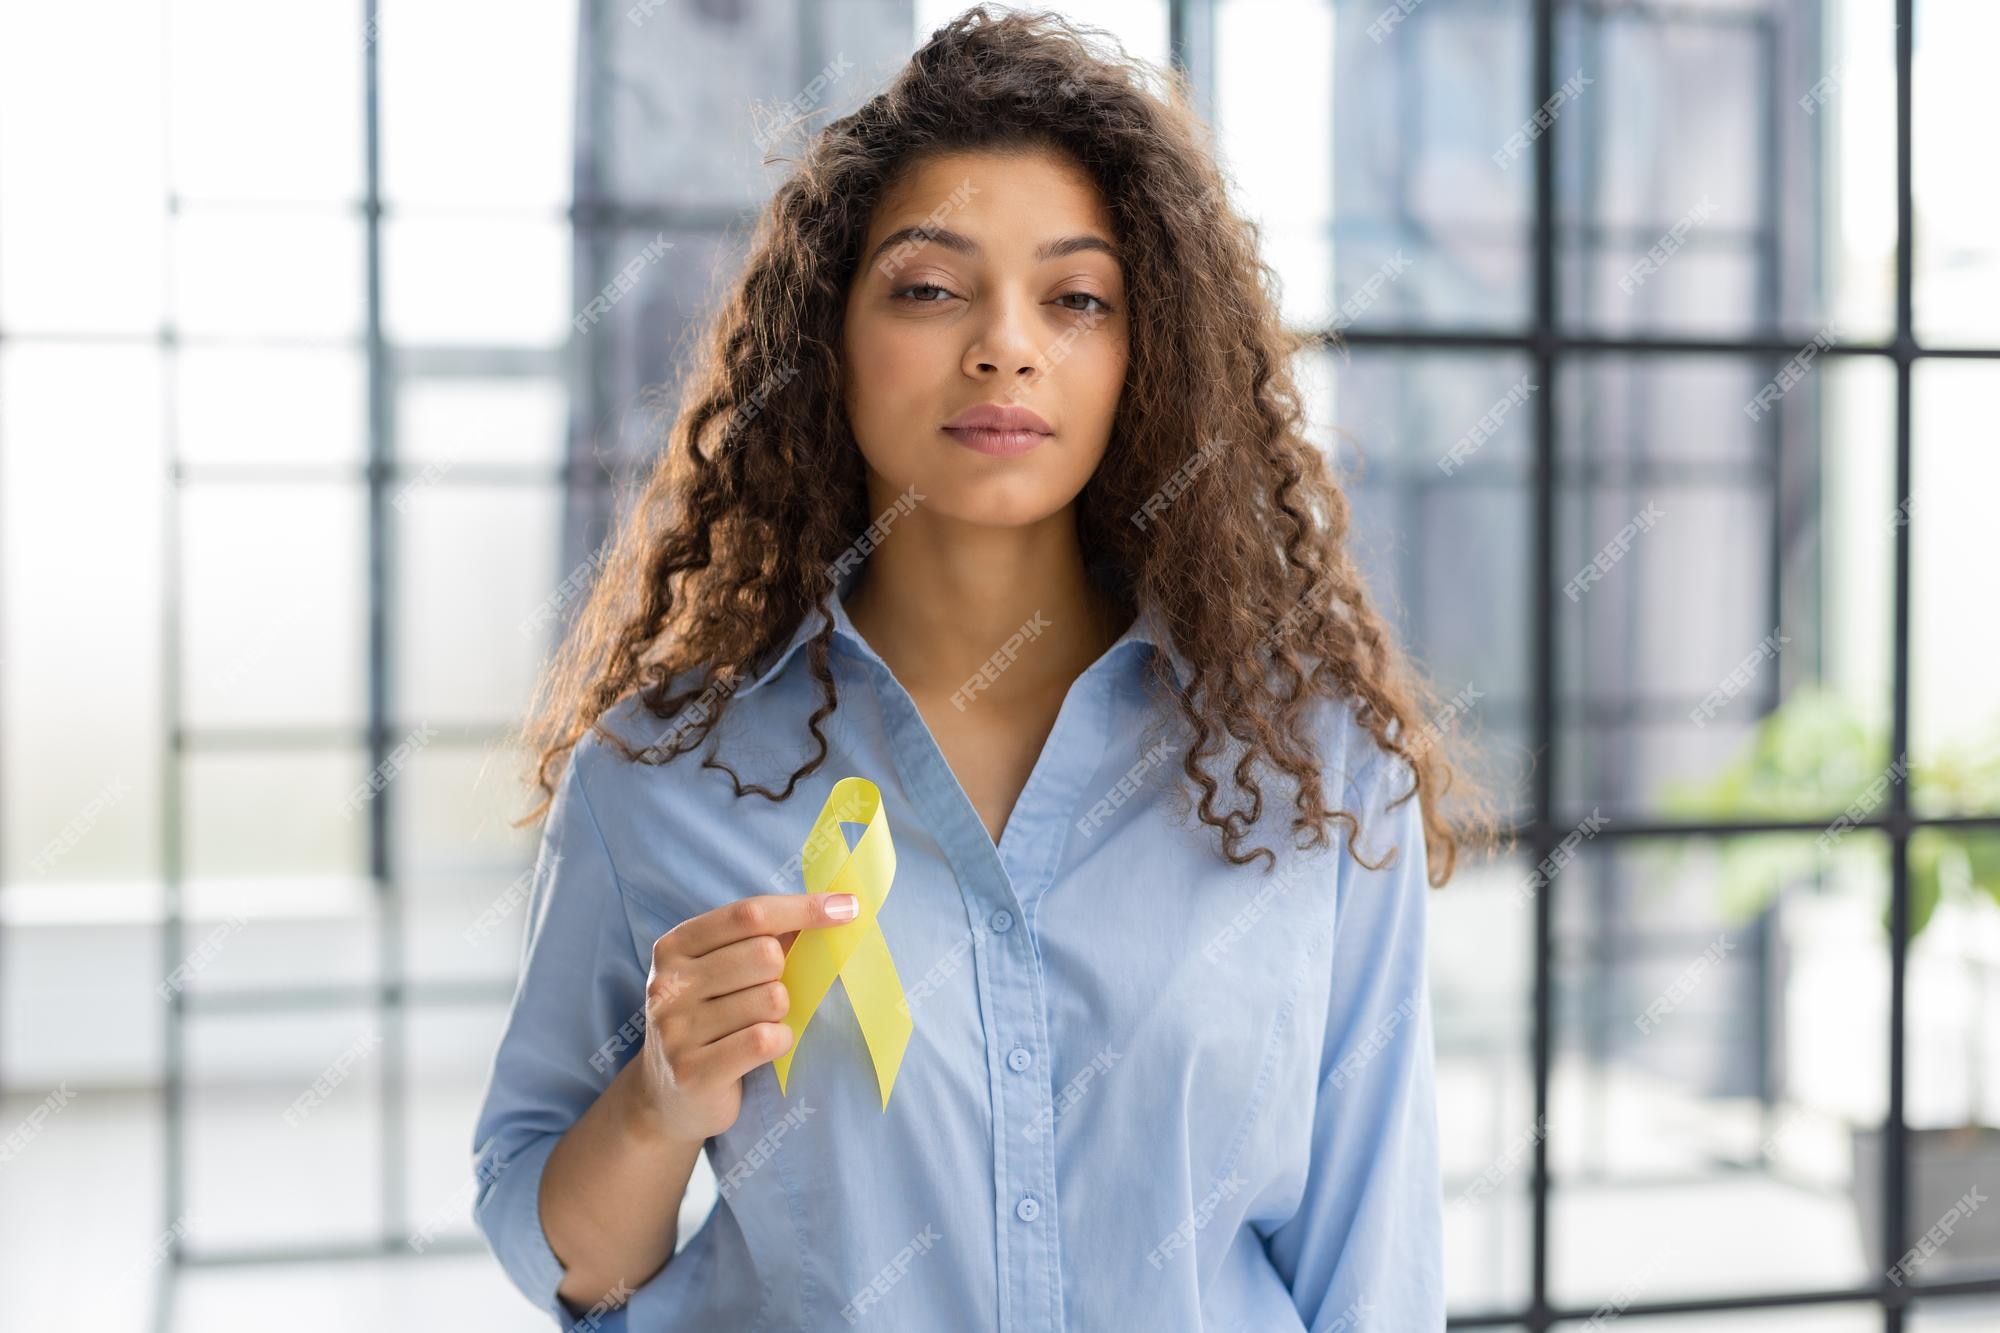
(731, 538)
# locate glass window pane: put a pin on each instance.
(269, 405)
(1715, 176)
(1954, 1077)
(274, 611)
(478, 106)
(284, 1129)
(77, 1003)
(271, 825)
(636, 342)
(443, 422)
(1954, 588)
(273, 931)
(92, 1172)
(474, 564)
(1720, 1046)
(740, 81)
(268, 274)
(1445, 552)
(1852, 100)
(673, 70)
(1271, 67)
(80, 546)
(451, 1053)
(1431, 227)
(81, 267)
(463, 868)
(1953, 1025)
(83, 214)
(1954, 1314)
(1713, 568)
(277, 893)
(265, 101)
(1481, 981)
(1371, 218)
(1957, 251)
(449, 281)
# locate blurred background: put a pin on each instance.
(1669, 416)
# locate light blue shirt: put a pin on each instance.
(1145, 1089)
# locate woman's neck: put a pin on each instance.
(941, 602)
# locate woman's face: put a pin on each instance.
(986, 279)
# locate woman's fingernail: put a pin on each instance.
(842, 906)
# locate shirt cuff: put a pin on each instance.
(510, 1215)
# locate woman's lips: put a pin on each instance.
(997, 443)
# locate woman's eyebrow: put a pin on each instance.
(965, 245)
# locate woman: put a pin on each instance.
(994, 494)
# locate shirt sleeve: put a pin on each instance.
(575, 1020)
(1365, 1248)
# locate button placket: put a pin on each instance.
(1008, 962)
(1007, 975)
(1024, 1163)
(1039, 821)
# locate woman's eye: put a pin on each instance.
(1086, 296)
(916, 294)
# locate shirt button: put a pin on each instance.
(1002, 922)
(1027, 1209)
(1019, 1059)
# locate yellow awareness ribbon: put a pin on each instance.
(855, 951)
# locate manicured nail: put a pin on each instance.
(842, 906)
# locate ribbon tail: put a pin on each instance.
(810, 967)
(876, 993)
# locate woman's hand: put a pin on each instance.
(715, 1005)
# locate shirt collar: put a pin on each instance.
(1144, 629)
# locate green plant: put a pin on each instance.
(1815, 756)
